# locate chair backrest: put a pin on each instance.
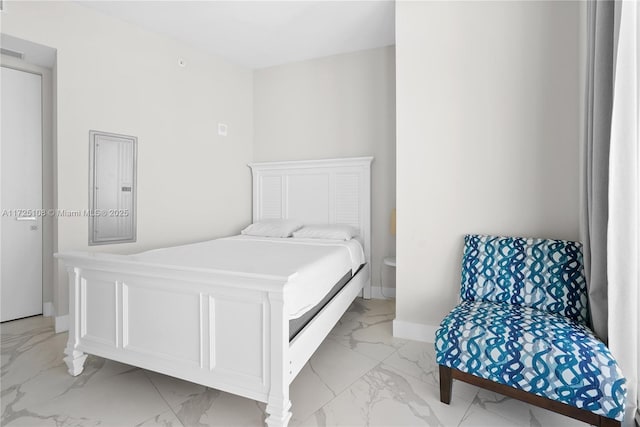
(547, 275)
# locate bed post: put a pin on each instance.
(366, 221)
(278, 404)
(75, 358)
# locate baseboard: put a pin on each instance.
(377, 292)
(414, 331)
(47, 309)
(62, 323)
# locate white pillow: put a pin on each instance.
(326, 231)
(272, 228)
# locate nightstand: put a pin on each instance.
(389, 261)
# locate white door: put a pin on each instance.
(21, 193)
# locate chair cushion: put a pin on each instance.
(539, 273)
(534, 351)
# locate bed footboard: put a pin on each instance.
(205, 327)
(223, 330)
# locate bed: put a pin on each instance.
(244, 329)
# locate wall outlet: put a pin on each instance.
(222, 129)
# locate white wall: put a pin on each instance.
(338, 106)
(487, 138)
(114, 77)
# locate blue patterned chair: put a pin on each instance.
(521, 329)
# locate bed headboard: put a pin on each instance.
(335, 191)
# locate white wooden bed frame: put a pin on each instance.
(224, 330)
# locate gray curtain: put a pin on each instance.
(595, 167)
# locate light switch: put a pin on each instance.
(222, 129)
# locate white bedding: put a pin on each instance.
(313, 266)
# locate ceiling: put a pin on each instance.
(260, 34)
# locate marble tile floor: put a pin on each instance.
(360, 376)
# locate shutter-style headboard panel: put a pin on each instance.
(336, 191)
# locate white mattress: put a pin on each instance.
(312, 266)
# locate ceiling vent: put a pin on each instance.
(10, 52)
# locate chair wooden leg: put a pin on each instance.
(446, 379)
(446, 383)
(609, 422)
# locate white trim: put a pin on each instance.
(414, 331)
(378, 292)
(304, 164)
(48, 310)
(62, 323)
